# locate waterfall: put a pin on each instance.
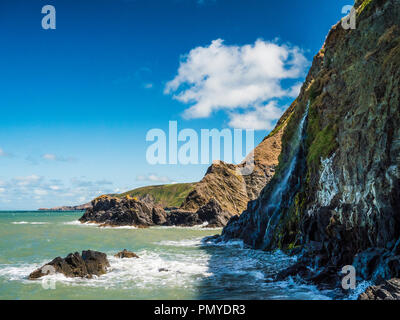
(282, 193)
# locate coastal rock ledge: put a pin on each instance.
(75, 265)
(129, 211)
(388, 290)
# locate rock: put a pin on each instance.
(159, 216)
(113, 212)
(128, 211)
(163, 270)
(74, 265)
(232, 190)
(126, 254)
(388, 290)
(213, 214)
(96, 262)
(183, 218)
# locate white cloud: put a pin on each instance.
(40, 192)
(230, 77)
(295, 90)
(49, 156)
(153, 178)
(26, 181)
(148, 85)
(26, 190)
(53, 157)
(259, 118)
(4, 154)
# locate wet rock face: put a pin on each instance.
(75, 265)
(355, 203)
(389, 290)
(349, 199)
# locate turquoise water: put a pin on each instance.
(194, 270)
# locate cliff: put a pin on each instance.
(131, 211)
(232, 190)
(335, 196)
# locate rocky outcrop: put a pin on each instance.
(126, 254)
(336, 191)
(128, 211)
(389, 290)
(210, 215)
(75, 265)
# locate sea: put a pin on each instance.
(175, 263)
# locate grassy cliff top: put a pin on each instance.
(168, 195)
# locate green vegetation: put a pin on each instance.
(363, 5)
(322, 146)
(283, 120)
(169, 195)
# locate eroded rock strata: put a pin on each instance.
(335, 196)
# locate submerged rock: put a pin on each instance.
(389, 290)
(126, 254)
(75, 265)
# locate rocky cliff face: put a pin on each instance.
(225, 184)
(336, 191)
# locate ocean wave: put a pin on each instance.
(97, 225)
(360, 288)
(152, 270)
(195, 242)
(196, 227)
(33, 222)
(302, 291)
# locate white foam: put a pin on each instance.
(361, 287)
(26, 222)
(97, 225)
(196, 242)
(196, 227)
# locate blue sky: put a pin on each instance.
(76, 102)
